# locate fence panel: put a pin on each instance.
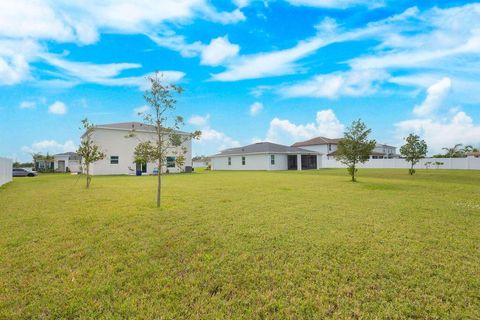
(5, 170)
(430, 163)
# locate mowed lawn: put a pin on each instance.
(250, 245)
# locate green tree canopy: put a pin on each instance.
(355, 147)
(413, 150)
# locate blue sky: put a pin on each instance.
(282, 71)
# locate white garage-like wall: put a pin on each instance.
(6, 167)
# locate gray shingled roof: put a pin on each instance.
(263, 147)
(316, 141)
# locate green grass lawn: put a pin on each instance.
(243, 245)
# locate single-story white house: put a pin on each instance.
(112, 139)
(67, 162)
(328, 147)
(266, 156)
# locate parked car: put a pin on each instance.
(21, 172)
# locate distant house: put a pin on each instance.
(67, 162)
(119, 149)
(474, 154)
(266, 156)
(200, 162)
(328, 148)
(43, 165)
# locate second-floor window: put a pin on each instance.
(272, 159)
(113, 159)
(229, 161)
(243, 161)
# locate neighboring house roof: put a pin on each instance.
(323, 140)
(316, 141)
(384, 145)
(374, 153)
(128, 126)
(263, 147)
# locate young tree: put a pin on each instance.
(166, 139)
(88, 150)
(355, 147)
(413, 150)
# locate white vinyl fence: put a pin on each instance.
(5, 170)
(448, 163)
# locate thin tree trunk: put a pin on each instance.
(159, 184)
(88, 176)
(411, 170)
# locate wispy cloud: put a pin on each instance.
(255, 108)
(197, 120)
(50, 146)
(58, 108)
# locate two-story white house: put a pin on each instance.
(114, 142)
(328, 147)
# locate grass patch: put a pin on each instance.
(242, 245)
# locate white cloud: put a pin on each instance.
(255, 108)
(337, 4)
(141, 110)
(435, 96)
(50, 146)
(333, 85)
(269, 64)
(57, 107)
(28, 105)
(212, 141)
(326, 124)
(82, 22)
(439, 127)
(104, 74)
(178, 43)
(442, 132)
(197, 120)
(219, 50)
(15, 56)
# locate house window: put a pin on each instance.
(170, 162)
(229, 161)
(329, 147)
(272, 159)
(243, 161)
(113, 159)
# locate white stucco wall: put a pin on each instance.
(255, 162)
(252, 162)
(114, 143)
(6, 168)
